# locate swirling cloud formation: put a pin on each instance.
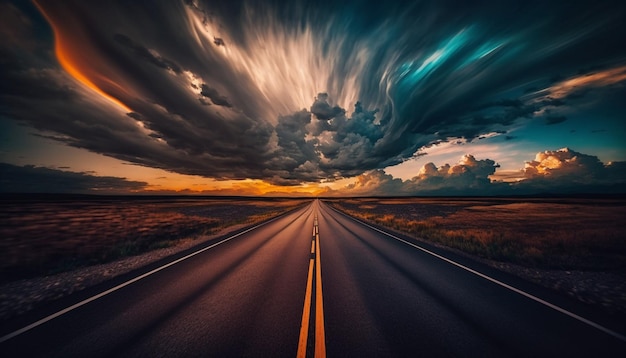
(291, 92)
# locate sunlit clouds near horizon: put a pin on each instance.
(313, 98)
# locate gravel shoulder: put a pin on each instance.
(21, 296)
(581, 253)
(604, 289)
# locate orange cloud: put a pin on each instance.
(80, 64)
(598, 79)
(564, 163)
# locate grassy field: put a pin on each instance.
(40, 236)
(569, 234)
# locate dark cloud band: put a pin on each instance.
(293, 92)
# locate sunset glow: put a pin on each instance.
(296, 98)
(600, 79)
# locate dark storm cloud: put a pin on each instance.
(192, 140)
(291, 131)
(323, 110)
(144, 53)
(215, 97)
(301, 91)
(350, 144)
(479, 60)
(30, 179)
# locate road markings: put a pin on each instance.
(500, 283)
(320, 339)
(306, 312)
(122, 285)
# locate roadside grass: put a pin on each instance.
(580, 235)
(47, 237)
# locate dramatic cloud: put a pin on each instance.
(30, 179)
(564, 163)
(295, 91)
(323, 110)
(377, 182)
(553, 172)
(146, 54)
(571, 171)
(215, 97)
(468, 175)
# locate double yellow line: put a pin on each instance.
(314, 263)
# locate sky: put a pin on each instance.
(346, 98)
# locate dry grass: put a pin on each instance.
(52, 235)
(566, 233)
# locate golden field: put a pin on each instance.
(40, 236)
(561, 233)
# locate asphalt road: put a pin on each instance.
(315, 282)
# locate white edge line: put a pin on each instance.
(516, 290)
(102, 294)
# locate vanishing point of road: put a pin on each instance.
(315, 283)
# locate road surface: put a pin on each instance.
(314, 282)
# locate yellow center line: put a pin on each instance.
(306, 313)
(320, 339)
